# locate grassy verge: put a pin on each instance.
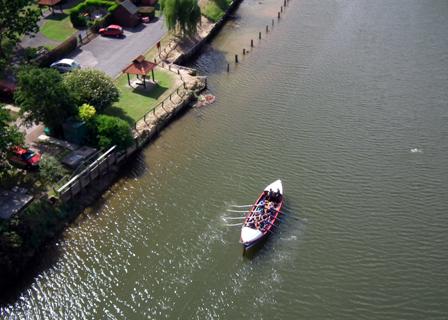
(57, 27)
(215, 10)
(154, 52)
(135, 102)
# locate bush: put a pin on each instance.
(92, 87)
(50, 170)
(86, 112)
(113, 131)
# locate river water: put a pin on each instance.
(347, 103)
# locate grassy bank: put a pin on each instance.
(215, 9)
(135, 102)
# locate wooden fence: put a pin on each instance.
(101, 166)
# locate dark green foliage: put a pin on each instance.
(80, 21)
(17, 18)
(181, 15)
(50, 169)
(92, 87)
(9, 136)
(113, 131)
(59, 52)
(43, 97)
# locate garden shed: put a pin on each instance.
(126, 14)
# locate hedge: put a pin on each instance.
(59, 52)
(79, 21)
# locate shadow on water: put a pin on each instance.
(135, 167)
(258, 250)
(44, 260)
(211, 61)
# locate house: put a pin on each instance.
(126, 14)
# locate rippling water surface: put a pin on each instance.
(347, 103)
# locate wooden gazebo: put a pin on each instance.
(50, 3)
(140, 67)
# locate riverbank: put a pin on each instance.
(44, 224)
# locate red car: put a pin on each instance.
(24, 157)
(113, 30)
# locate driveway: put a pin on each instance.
(112, 55)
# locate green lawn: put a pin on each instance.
(135, 102)
(214, 10)
(57, 27)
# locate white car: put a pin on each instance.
(65, 65)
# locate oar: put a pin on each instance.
(239, 211)
(232, 218)
(233, 225)
(242, 206)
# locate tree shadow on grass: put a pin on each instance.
(120, 113)
(56, 16)
(152, 91)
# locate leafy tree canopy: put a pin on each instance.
(9, 135)
(43, 98)
(17, 18)
(92, 87)
(182, 15)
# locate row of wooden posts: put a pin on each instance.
(282, 8)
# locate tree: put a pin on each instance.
(92, 87)
(182, 15)
(43, 98)
(17, 18)
(113, 131)
(9, 135)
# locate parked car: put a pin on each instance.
(65, 65)
(24, 157)
(114, 30)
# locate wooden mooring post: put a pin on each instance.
(267, 28)
(251, 43)
(228, 67)
(281, 8)
(278, 15)
(259, 35)
(236, 58)
(244, 51)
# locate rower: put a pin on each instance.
(270, 195)
(278, 196)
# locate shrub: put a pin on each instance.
(86, 112)
(50, 170)
(113, 131)
(92, 87)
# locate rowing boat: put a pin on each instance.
(261, 218)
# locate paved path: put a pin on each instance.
(111, 55)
